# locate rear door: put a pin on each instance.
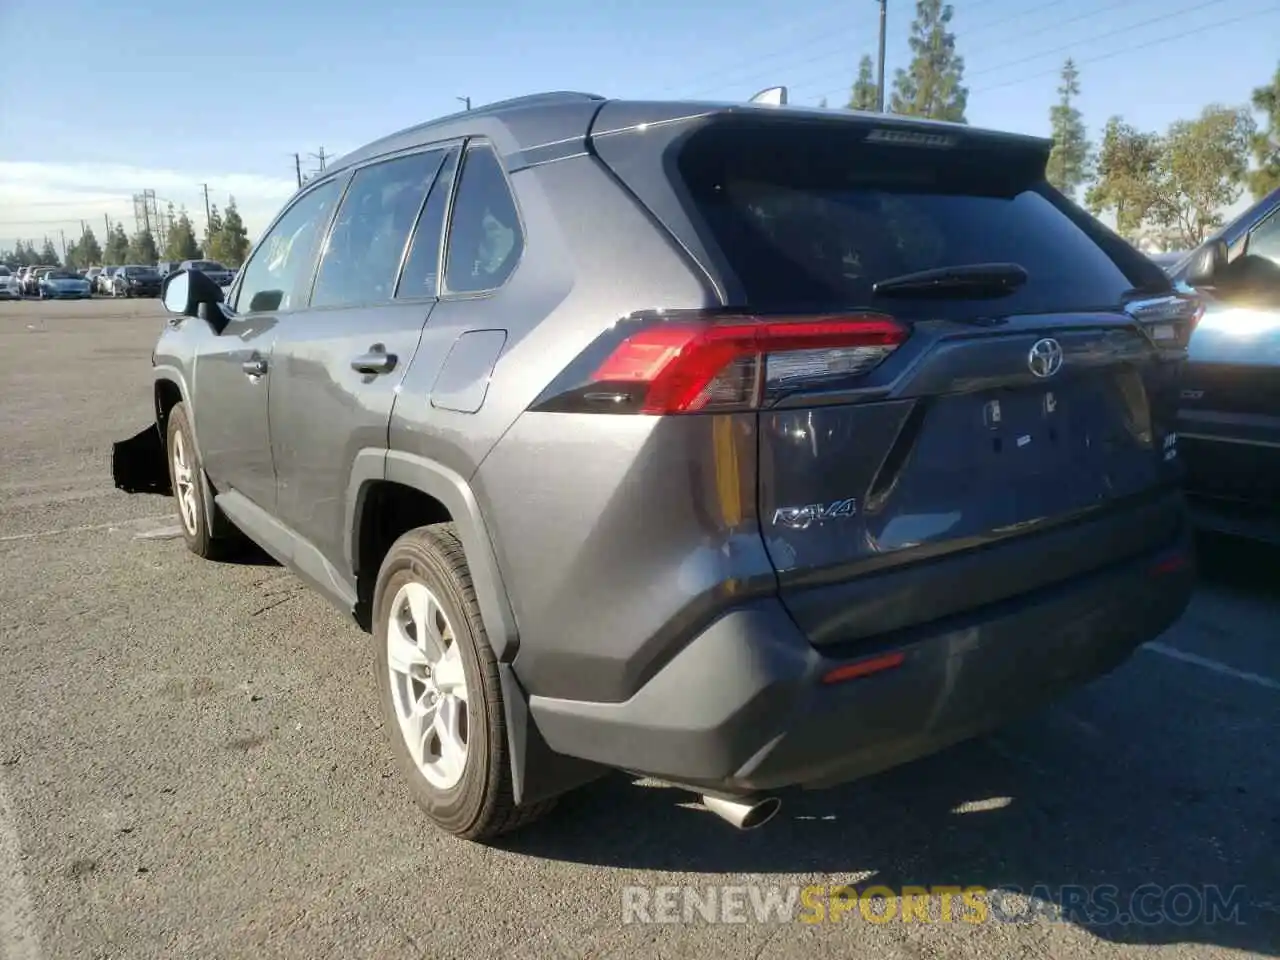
(1008, 409)
(338, 365)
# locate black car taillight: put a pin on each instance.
(694, 362)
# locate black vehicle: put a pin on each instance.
(1229, 409)
(136, 281)
(211, 269)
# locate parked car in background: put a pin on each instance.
(105, 279)
(211, 269)
(9, 285)
(92, 276)
(166, 267)
(136, 280)
(62, 284)
(1229, 416)
(833, 423)
(31, 282)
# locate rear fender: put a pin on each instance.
(139, 464)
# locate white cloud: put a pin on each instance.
(39, 199)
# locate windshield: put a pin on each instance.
(138, 271)
(63, 275)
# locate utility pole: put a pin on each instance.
(107, 220)
(206, 204)
(465, 101)
(297, 168)
(880, 69)
(63, 235)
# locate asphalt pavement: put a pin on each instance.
(191, 765)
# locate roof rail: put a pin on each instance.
(533, 99)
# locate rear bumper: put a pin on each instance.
(743, 707)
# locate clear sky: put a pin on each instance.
(98, 101)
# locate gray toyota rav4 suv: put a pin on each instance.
(739, 446)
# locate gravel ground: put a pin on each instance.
(190, 764)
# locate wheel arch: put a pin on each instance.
(375, 470)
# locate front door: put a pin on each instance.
(338, 365)
(233, 382)
(229, 409)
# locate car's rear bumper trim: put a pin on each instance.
(742, 708)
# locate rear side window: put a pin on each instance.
(421, 275)
(485, 240)
(279, 272)
(362, 256)
(814, 216)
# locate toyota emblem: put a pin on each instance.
(1045, 358)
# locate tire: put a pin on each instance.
(478, 805)
(203, 534)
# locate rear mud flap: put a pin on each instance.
(139, 465)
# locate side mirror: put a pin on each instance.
(186, 291)
(1207, 264)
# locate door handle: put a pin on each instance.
(377, 360)
(254, 366)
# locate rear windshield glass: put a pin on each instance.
(813, 217)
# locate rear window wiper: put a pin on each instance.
(970, 280)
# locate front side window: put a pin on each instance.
(485, 239)
(362, 256)
(277, 276)
(1265, 239)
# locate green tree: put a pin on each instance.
(49, 255)
(1125, 177)
(1266, 143)
(234, 238)
(117, 251)
(1202, 169)
(1068, 167)
(142, 248)
(88, 252)
(28, 254)
(932, 85)
(864, 93)
(181, 243)
(212, 232)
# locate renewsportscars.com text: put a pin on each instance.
(1146, 905)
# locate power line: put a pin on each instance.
(1023, 35)
(814, 51)
(1129, 48)
(1101, 36)
(1138, 46)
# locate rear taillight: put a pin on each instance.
(701, 363)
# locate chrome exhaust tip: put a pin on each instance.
(746, 813)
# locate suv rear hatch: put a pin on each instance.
(998, 399)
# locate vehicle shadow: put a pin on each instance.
(1247, 565)
(1018, 812)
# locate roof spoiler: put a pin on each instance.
(774, 96)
